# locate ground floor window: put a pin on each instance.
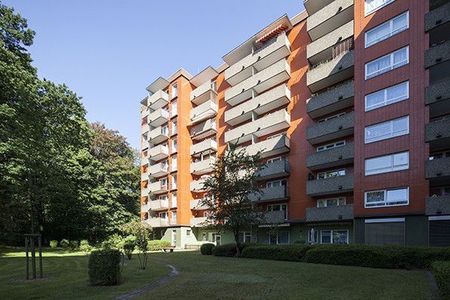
(217, 238)
(245, 237)
(281, 237)
(334, 237)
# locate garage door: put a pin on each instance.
(439, 231)
(385, 232)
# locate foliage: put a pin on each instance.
(85, 246)
(74, 245)
(65, 244)
(53, 244)
(112, 242)
(141, 231)
(128, 245)
(441, 272)
(276, 252)
(61, 176)
(230, 250)
(207, 249)
(229, 190)
(157, 245)
(104, 267)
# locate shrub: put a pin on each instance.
(229, 250)
(54, 244)
(441, 271)
(276, 252)
(74, 245)
(85, 247)
(157, 245)
(112, 242)
(207, 249)
(64, 244)
(104, 267)
(128, 245)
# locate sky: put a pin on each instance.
(109, 51)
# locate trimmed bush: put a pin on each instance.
(157, 245)
(207, 249)
(276, 252)
(54, 244)
(64, 244)
(85, 247)
(74, 245)
(128, 244)
(104, 267)
(229, 250)
(441, 272)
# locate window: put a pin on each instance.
(214, 86)
(174, 127)
(162, 198)
(387, 29)
(174, 91)
(437, 155)
(383, 198)
(174, 182)
(276, 183)
(281, 237)
(174, 199)
(387, 96)
(163, 182)
(330, 146)
(387, 130)
(374, 5)
(174, 108)
(174, 216)
(387, 63)
(245, 237)
(217, 238)
(174, 163)
(164, 130)
(278, 207)
(164, 165)
(331, 202)
(275, 159)
(440, 191)
(188, 232)
(163, 215)
(331, 117)
(174, 146)
(387, 163)
(330, 174)
(334, 236)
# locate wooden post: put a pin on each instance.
(40, 256)
(27, 259)
(33, 258)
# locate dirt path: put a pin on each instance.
(151, 286)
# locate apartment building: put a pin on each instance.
(349, 102)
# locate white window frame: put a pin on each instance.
(331, 117)
(274, 159)
(174, 92)
(391, 66)
(246, 236)
(278, 237)
(174, 128)
(270, 184)
(339, 199)
(389, 135)
(331, 146)
(386, 202)
(174, 182)
(392, 167)
(174, 110)
(174, 145)
(368, 12)
(174, 162)
(332, 236)
(387, 101)
(391, 30)
(328, 173)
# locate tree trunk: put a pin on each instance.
(236, 239)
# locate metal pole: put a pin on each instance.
(33, 257)
(27, 258)
(40, 256)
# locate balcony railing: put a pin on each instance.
(159, 204)
(158, 152)
(332, 213)
(437, 54)
(438, 205)
(331, 158)
(275, 217)
(204, 146)
(197, 185)
(274, 169)
(203, 130)
(158, 169)
(157, 187)
(438, 170)
(158, 100)
(196, 204)
(331, 129)
(332, 100)
(158, 117)
(158, 222)
(203, 166)
(203, 93)
(199, 222)
(270, 147)
(330, 186)
(437, 17)
(158, 135)
(277, 193)
(437, 134)
(204, 111)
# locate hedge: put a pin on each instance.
(104, 267)
(156, 245)
(276, 252)
(229, 250)
(53, 244)
(207, 249)
(441, 272)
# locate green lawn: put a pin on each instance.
(213, 277)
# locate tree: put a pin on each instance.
(141, 231)
(229, 191)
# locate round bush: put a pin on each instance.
(156, 245)
(64, 243)
(207, 249)
(53, 244)
(104, 267)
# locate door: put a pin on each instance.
(174, 238)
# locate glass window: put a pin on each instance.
(174, 91)
(330, 174)
(340, 237)
(283, 237)
(387, 63)
(331, 146)
(174, 108)
(331, 202)
(174, 146)
(325, 237)
(174, 127)
(174, 163)
(387, 96)
(390, 197)
(387, 130)
(387, 29)
(387, 163)
(374, 5)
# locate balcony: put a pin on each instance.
(158, 222)
(278, 193)
(145, 191)
(332, 213)
(197, 205)
(208, 145)
(274, 51)
(330, 186)
(203, 130)
(145, 128)
(258, 83)
(144, 144)
(331, 129)
(274, 169)
(197, 185)
(438, 205)
(266, 125)
(270, 147)
(204, 111)
(158, 204)
(199, 222)
(329, 17)
(438, 97)
(331, 158)
(158, 135)
(203, 166)
(437, 17)
(437, 54)
(437, 134)
(275, 217)
(203, 93)
(144, 161)
(261, 104)
(158, 152)
(331, 72)
(322, 48)
(158, 100)
(145, 207)
(144, 176)
(158, 188)
(437, 171)
(334, 99)
(158, 117)
(313, 6)
(158, 169)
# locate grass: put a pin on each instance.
(212, 277)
